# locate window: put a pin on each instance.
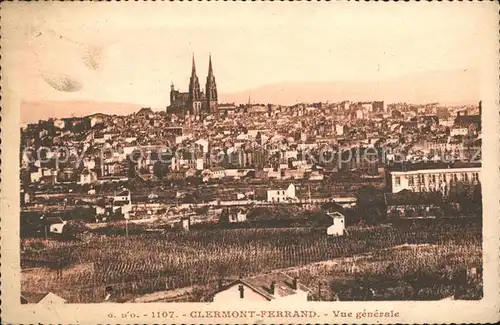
(410, 181)
(398, 180)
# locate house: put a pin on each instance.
(25, 197)
(55, 225)
(471, 122)
(95, 120)
(315, 176)
(41, 298)
(87, 176)
(338, 224)
(122, 203)
(264, 287)
(359, 114)
(59, 124)
(339, 129)
(103, 210)
(186, 223)
(36, 175)
(282, 195)
(237, 215)
(122, 196)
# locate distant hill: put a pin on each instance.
(447, 87)
(34, 111)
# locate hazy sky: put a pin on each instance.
(131, 52)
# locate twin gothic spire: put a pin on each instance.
(210, 86)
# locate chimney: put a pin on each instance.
(480, 107)
(109, 291)
(242, 291)
(273, 287)
(295, 283)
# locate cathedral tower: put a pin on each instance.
(194, 100)
(211, 90)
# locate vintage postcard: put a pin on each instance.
(243, 163)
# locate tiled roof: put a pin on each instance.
(33, 297)
(408, 166)
(261, 284)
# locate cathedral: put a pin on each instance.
(195, 101)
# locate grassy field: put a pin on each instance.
(145, 263)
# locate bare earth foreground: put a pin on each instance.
(402, 262)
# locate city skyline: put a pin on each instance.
(451, 83)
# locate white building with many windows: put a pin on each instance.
(425, 178)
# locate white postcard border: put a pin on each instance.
(485, 310)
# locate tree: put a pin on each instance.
(73, 229)
(477, 200)
(160, 170)
(370, 205)
(224, 217)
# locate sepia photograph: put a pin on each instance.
(210, 153)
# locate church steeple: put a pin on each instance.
(194, 91)
(193, 69)
(210, 71)
(211, 88)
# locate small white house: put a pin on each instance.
(237, 215)
(339, 129)
(55, 225)
(59, 124)
(26, 197)
(122, 196)
(87, 176)
(282, 195)
(200, 164)
(186, 223)
(338, 224)
(122, 203)
(36, 176)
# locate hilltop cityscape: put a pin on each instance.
(211, 198)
